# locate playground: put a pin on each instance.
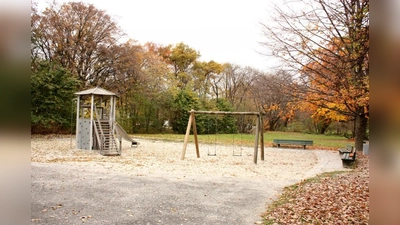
(150, 184)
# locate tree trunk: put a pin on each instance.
(323, 129)
(324, 126)
(273, 124)
(286, 122)
(361, 122)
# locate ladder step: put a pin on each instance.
(109, 146)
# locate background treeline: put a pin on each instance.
(75, 46)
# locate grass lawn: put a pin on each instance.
(321, 141)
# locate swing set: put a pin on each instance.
(212, 150)
(259, 136)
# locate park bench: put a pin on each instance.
(348, 158)
(303, 143)
(348, 149)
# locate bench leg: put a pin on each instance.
(348, 163)
(279, 145)
(304, 146)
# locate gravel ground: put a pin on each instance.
(150, 184)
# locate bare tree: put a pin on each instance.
(237, 83)
(326, 45)
(271, 96)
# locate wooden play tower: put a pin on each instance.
(96, 126)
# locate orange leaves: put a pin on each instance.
(270, 108)
(162, 51)
(335, 81)
(332, 199)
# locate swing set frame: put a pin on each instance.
(259, 134)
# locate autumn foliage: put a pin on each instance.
(333, 198)
(331, 86)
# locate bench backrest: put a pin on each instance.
(301, 142)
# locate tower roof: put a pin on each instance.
(96, 91)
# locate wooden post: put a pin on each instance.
(256, 141)
(187, 136)
(259, 131)
(196, 142)
(226, 113)
(262, 137)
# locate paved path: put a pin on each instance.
(327, 161)
(65, 194)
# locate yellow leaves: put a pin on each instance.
(329, 114)
(331, 111)
(183, 56)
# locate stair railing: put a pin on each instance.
(100, 137)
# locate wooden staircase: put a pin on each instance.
(105, 138)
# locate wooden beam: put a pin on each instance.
(225, 113)
(186, 136)
(196, 142)
(192, 121)
(256, 141)
(262, 137)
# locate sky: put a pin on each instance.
(221, 30)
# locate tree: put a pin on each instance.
(206, 75)
(122, 67)
(52, 91)
(270, 94)
(226, 124)
(327, 43)
(146, 77)
(183, 58)
(183, 103)
(77, 36)
(237, 83)
(164, 52)
(322, 117)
